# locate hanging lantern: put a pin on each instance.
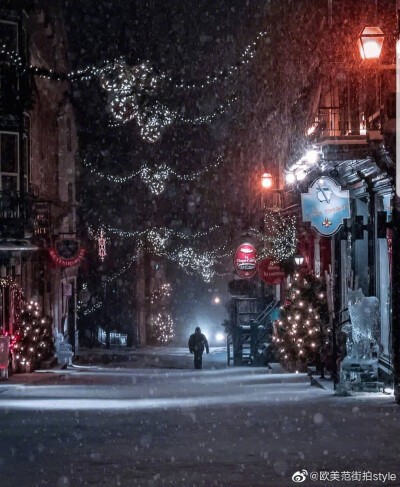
(266, 180)
(299, 259)
(370, 42)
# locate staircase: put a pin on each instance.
(248, 343)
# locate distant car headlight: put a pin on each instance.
(220, 337)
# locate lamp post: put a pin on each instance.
(370, 43)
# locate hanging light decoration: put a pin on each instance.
(102, 245)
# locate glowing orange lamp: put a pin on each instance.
(266, 180)
(370, 42)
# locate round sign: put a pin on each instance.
(246, 260)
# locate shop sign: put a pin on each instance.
(42, 218)
(270, 272)
(67, 252)
(246, 260)
(326, 206)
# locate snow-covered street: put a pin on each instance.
(107, 426)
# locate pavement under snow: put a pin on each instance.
(155, 426)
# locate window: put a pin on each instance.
(9, 35)
(9, 167)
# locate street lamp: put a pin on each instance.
(299, 259)
(370, 42)
(266, 180)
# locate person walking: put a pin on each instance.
(197, 343)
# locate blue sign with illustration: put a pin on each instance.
(325, 206)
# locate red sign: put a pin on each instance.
(246, 261)
(270, 273)
(63, 262)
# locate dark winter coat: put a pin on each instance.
(197, 343)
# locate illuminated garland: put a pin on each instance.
(107, 280)
(127, 86)
(191, 262)
(162, 330)
(161, 294)
(125, 97)
(153, 177)
(156, 178)
(93, 308)
(195, 263)
(124, 268)
(155, 234)
(279, 238)
(112, 72)
(224, 74)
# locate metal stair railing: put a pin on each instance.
(246, 343)
(260, 333)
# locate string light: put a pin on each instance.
(162, 322)
(279, 238)
(155, 233)
(163, 328)
(223, 74)
(127, 86)
(117, 72)
(153, 177)
(33, 339)
(299, 340)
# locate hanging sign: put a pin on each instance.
(325, 206)
(270, 272)
(246, 260)
(67, 252)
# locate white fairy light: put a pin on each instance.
(279, 239)
(154, 178)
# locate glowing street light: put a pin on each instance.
(290, 177)
(220, 337)
(299, 259)
(217, 300)
(370, 42)
(266, 180)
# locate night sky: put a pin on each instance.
(262, 130)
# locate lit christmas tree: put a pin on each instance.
(300, 335)
(162, 329)
(34, 340)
